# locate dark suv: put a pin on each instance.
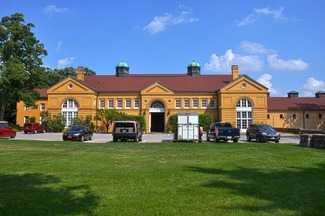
(262, 133)
(126, 130)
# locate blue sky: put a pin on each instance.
(279, 43)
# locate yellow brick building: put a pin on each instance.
(229, 97)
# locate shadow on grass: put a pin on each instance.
(38, 194)
(301, 190)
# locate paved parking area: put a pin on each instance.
(154, 137)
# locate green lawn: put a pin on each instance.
(56, 178)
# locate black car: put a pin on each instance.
(127, 130)
(78, 133)
(262, 133)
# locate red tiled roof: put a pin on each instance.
(298, 103)
(41, 91)
(177, 83)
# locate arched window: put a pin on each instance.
(69, 111)
(157, 104)
(244, 114)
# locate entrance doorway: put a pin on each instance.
(157, 116)
(157, 122)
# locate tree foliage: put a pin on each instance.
(108, 116)
(205, 121)
(20, 62)
(21, 66)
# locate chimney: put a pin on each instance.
(194, 69)
(234, 72)
(81, 73)
(320, 94)
(293, 94)
(122, 69)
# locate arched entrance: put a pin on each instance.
(157, 117)
(244, 114)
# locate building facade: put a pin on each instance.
(233, 98)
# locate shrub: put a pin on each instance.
(55, 124)
(138, 118)
(172, 123)
(108, 116)
(87, 122)
(205, 121)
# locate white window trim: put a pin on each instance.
(134, 103)
(100, 105)
(108, 103)
(198, 103)
(189, 104)
(180, 101)
(206, 103)
(117, 105)
(126, 107)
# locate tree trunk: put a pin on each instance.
(2, 111)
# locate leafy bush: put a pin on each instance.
(138, 118)
(55, 124)
(108, 116)
(87, 122)
(205, 121)
(172, 123)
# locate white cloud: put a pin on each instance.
(266, 80)
(160, 23)
(65, 62)
(253, 57)
(223, 63)
(254, 48)
(275, 62)
(313, 85)
(58, 46)
(257, 12)
(53, 9)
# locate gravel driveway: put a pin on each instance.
(154, 137)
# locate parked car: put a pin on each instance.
(6, 131)
(34, 128)
(126, 130)
(223, 131)
(262, 133)
(78, 133)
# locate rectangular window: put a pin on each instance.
(204, 103)
(42, 107)
(128, 103)
(186, 103)
(212, 103)
(119, 103)
(110, 103)
(178, 103)
(101, 103)
(195, 103)
(136, 103)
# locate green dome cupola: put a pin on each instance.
(122, 69)
(194, 68)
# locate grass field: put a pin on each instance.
(56, 178)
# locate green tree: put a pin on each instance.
(172, 123)
(53, 76)
(20, 62)
(107, 116)
(205, 121)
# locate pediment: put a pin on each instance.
(157, 89)
(69, 85)
(244, 84)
